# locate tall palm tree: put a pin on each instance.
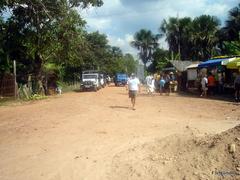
(204, 36)
(146, 42)
(171, 30)
(233, 24)
(230, 34)
(177, 32)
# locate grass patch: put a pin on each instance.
(70, 87)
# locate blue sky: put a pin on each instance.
(120, 19)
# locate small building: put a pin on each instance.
(180, 68)
(192, 76)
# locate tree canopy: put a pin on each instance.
(146, 42)
(190, 39)
(50, 35)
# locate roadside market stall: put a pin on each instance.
(232, 68)
(217, 67)
(235, 64)
(192, 76)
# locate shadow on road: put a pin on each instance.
(224, 97)
(120, 107)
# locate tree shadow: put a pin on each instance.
(82, 91)
(141, 94)
(120, 107)
(220, 97)
(77, 90)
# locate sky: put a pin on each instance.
(121, 19)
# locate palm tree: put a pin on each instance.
(146, 42)
(233, 24)
(230, 34)
(177, 32)
(171, 30)
(204, 36)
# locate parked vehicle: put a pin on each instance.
(90, 80)
(121, 79)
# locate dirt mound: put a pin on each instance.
(182, 157)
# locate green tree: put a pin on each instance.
(204, 36)
(229, 35)
(160, 59)
(4, 60)
(35, 26)
(146, 42)
(177, 32)
(130, 63)
(172, 32)
(232, 27)
(97, 49)
(114, 61)
(191, 39)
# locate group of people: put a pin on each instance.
(163, 83)
(209, 85)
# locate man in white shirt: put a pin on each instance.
(204, 83)
(133, 87)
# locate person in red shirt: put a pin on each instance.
(211, 84)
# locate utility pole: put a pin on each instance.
(15, 79)
(179, 46)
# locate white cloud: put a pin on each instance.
(123, 43)
(120, 19)
(217, 9)
(100, 24)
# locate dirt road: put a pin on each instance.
(80, 135)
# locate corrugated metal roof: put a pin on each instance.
(182, 65)
(192, 66)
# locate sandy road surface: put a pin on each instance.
(76, 135)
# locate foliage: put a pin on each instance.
(232, 47)
(146, 42)
(38, 32)
(49, 37)
(130, 64)
(191, 39)
(232, 28)
(160, 60)
(37, 97)
(229, 35)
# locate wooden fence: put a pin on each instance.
(7, 86)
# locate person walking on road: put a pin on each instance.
(161, 85)
(133, 87)
(150, 84)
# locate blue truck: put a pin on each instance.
(121, 79)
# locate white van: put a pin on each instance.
(90, 80)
